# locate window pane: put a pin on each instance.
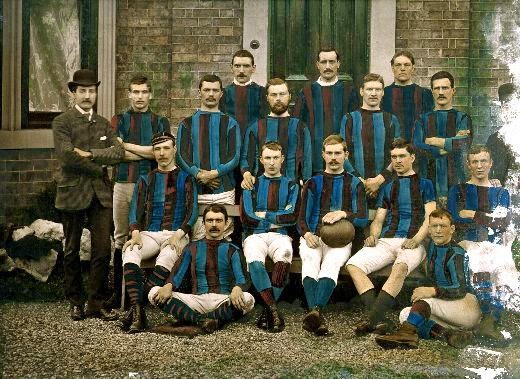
(54, 53)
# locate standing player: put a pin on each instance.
(209, 149)
(290, 132)
(267, 211)
(443, 137)
(218, 283)
(162, 213)
(322, 104)
(438, 310)
(327, 198)
(396, 234)
(369, 133)
(404, 98)
(244, 100)
(482, 213)
(135, 128)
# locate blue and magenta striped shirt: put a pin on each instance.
(407, 103)
(294, 137)
(164, 201)
(137, 128)
(321, 109)
(324, 193)
(404, 199)
(214, 266)
(278, 197)
(482, 200)
(445, 170)
(209, 141)
(244, 103)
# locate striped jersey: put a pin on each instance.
(164, 201)
(369, 136)
(137, 128)
(444, 167)
(278, 197)
(244, 103)
(214, 267)
(321, 109)
(324, 193)
(407, 103)
(404, 199)
(294, 137)
(492, 206)
(209, 141)
(447, 268)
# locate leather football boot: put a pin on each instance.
(275, 321)
(139, 323)
(405, 338)
(458, 338)
(311, 321)
(261, 321)
(76, 312)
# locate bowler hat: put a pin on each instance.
(83, 78)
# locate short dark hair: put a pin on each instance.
(210, 78)
(215, 208)
(274, 82)
(139, 79)
(442, 75)
(334, 139)
(441, 213)
(506, 91)
(271, 145)
(477, 149)
(371, 77)
(243, 54)
(327, 50)
(401, 143)
(403, 53)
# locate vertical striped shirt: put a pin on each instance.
(404, 199)
(369, 136)
(278, 197)
(321, 109)
(444, 169)
(214, 267)
(209, 141)
(324, 193)
(289, 132)
(137, 128)
(244, 103)
(407, 103)
(485, 226)
(164, 201)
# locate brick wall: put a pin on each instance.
(451, 35)
(176, 42)
(24, 175)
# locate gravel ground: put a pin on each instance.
(39, 340)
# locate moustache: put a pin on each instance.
(214, 230)
(334, 162)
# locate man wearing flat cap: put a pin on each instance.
(85, 144)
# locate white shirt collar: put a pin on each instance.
(327, 84)
(242, 84)
(89, 113)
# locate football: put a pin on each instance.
(339, 234)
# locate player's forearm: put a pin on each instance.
(142, 151)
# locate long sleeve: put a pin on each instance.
(359, 205)
(247, 210)
(181, 267)
(306, 172)
(345, 131)
(136, 215)
(306, 208)
(249, 155)
(185, 150)
(191, 205)
(419, 136)
(232, 148)
(457, 291)
(108, 155)
(237, 266)
(460, 143)
(288, 215)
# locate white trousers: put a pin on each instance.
(198, 231)
(323, 262)
(387, 251)
(155, 243)
(462, 313)
(276, 246)
(121, 208)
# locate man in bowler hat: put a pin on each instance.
(85, 144)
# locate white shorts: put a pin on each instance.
(323, 262)
(155, 243)
(275, 245)
(462, 313)
(205, 303)
(198, 230)
(387, 251)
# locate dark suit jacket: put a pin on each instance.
(79, 179)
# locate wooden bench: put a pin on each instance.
(296, 264)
